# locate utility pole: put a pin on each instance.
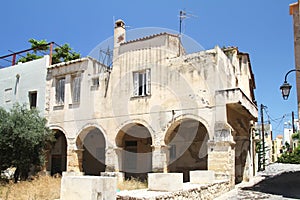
(293, 119)
(263, 135)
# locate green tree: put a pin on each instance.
(290, 157)
(62, 53)
(296, 136)
(23, 138)
(29, 57)
(36, 45)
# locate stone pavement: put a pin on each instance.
(278, 181)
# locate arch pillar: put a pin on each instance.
(74, 157)
(160, 158)
(221, 153)
(111, 159)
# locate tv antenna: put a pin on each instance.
(105, 56)
(182, 16)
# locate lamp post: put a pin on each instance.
(286, 87)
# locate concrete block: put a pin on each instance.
(168, 182)
(73, 174)
(88, 188)
(120, 175)
(202, 176)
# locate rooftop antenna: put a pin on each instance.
(105, 56)
(182, 16)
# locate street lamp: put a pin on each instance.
(286, 87)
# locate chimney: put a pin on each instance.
(119, 35)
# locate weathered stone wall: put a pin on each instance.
(206, 192)
(187, 87)
(294, 11)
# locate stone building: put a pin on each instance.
(294, 11)
(268, 146)
(277, 147)
(156, 109)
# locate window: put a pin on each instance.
(60, 91)
(95, 83)
(32, 99)
(141, 83)
(76, 89)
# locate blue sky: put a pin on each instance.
(262, 28)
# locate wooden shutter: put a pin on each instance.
(135, 84)
(62, 90)
(148, 82)
(57, 91)
(76, 89)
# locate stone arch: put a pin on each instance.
(91, 144)
(136, 121)
(85, 130)
(57, 152)
(177, 120)
(56, 127)
(187, 140)
(134, 142)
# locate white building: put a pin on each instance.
(24, 83)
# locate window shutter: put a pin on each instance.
(75, 89)
(148, 82)
(135, 84)
(62, 90)
(57, 91)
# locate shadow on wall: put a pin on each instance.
(285, 184)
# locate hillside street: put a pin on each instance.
(277, 181)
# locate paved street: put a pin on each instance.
(278, 181)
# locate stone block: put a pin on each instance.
(72, 173)
(202, 176)
(167, 182)
(120, 175)
(88, 188)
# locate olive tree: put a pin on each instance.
(23, 138)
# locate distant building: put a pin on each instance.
(268, 137)
(288, 132)
(287, 135)
(277, 147)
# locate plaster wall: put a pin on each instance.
(32, 76)
(185, 87)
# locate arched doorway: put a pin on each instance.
(91, 140)
(135, 157)
(57, 157)
(187, 141)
